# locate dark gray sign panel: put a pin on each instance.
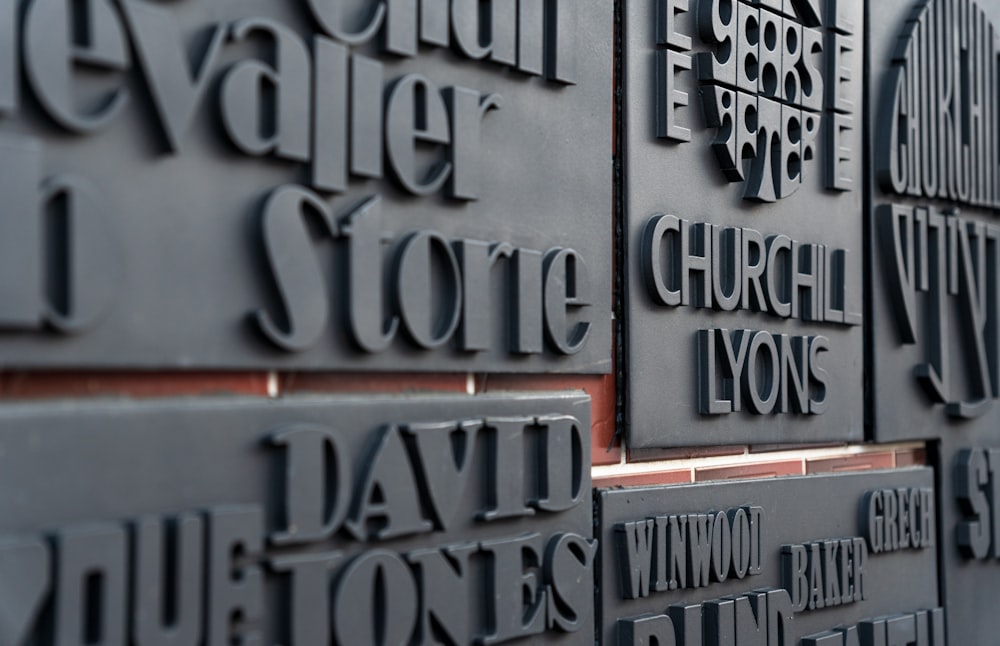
(390, 185)
(743, 200)
(839, 560)
(970, 545)
(351, 521)
(936, 236)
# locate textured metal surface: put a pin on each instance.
(208, 183)
(775, 530)
(357, 520)
(936, 242)
(746, 117)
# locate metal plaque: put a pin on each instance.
(393, 185)
(352, 521)
(970, 529)
(743, 202)
(935, 364)
(837, 560)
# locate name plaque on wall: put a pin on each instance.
(353, 521)
(387, 185)
(744, 237)
(970, 548)
(934, 224)
(838, 560)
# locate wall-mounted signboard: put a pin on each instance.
(840, 560)
(304, 522)
(743, 199)
(936, 190)
(408, 185)
(970, 545)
